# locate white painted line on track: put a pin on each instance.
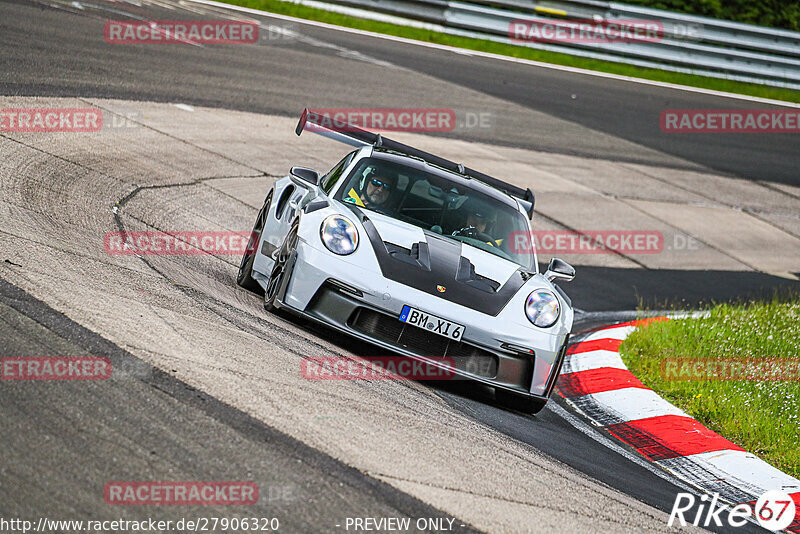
(488, 55)
(632, 404)
(617, 332)
(593, 359)
(748, 467)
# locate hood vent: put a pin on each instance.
(419, 255)
(437, 263)
(466, 273)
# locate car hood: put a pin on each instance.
(440, 266)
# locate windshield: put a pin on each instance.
(435, 203)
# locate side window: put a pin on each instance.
(330, 179)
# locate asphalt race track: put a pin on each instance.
(206, 384)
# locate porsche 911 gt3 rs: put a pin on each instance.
(415, 254)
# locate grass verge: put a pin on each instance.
(482, 45)
(760, 415)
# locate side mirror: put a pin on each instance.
(302, 176)
(559, 270)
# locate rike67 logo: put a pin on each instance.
(774, 510)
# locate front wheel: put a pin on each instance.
(245, 276)
(279, 269)
(521, 403)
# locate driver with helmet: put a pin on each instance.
(376, 192)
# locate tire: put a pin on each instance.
(245, 276)
(279, 269)
(519, 403)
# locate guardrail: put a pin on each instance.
(686, 43)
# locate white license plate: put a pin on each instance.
(431, 323)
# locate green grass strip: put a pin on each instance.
(483, 45)
(760, 415)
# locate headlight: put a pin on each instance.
(339, 235)
(542, 308)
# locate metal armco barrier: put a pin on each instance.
(692, 44)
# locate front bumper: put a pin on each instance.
(334, 307)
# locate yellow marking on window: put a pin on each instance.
(352, 194)
(550, 11)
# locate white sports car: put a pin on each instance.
(415, 254)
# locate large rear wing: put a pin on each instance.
(354, 136)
